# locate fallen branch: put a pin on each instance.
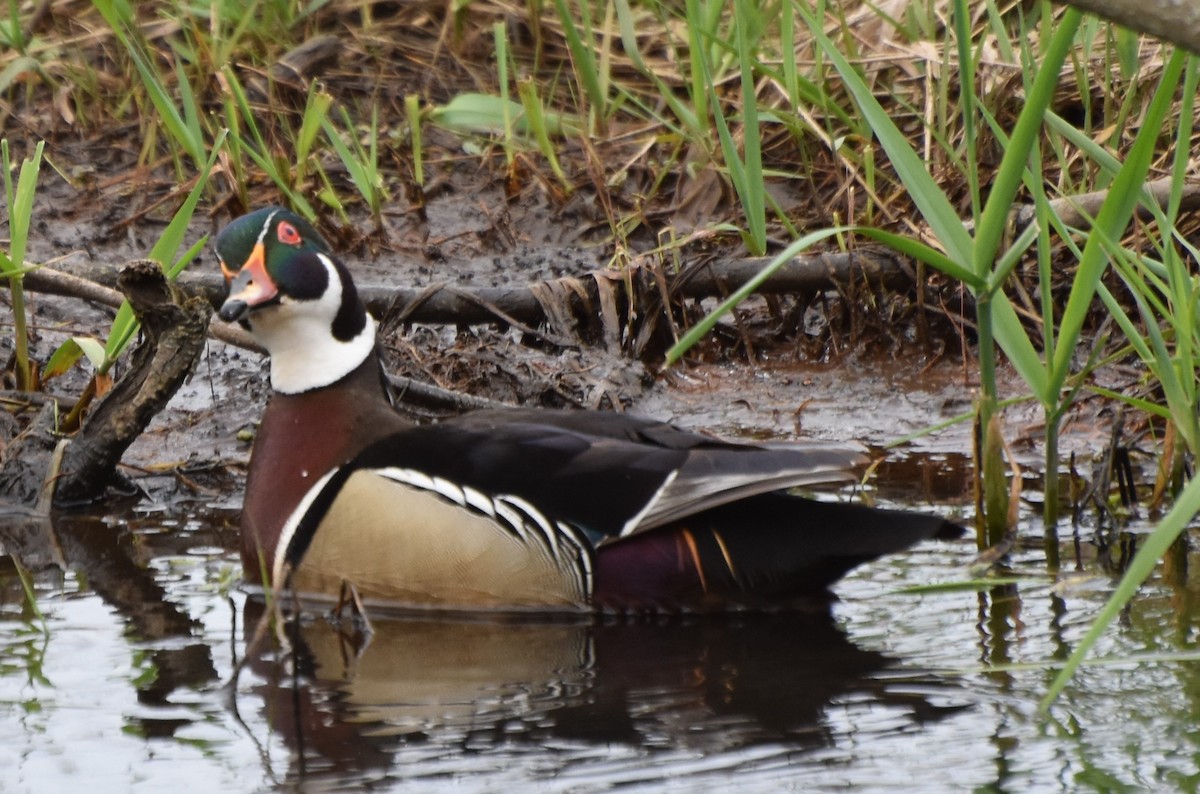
(1078, 211)
(175, 330)
(455, 305)
(579, 300)
(97, 283)
(1170, 20)
(414, 392)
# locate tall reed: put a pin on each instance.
(982, 263)
(19, 200)
(1166, 337)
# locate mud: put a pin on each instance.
(783, 370)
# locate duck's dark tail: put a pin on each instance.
(756, 552)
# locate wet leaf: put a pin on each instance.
(69, 353)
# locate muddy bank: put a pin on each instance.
(864, 366)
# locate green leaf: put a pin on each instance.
(125, 324)
(582, 56)
(315, 112)
(62, 359)
(483, 113)
(186, 259)
(746, 172)
(688, 115)
(989, 230)
(1114, 216)
(68, 354)
(169, 241)
(20, 215)
(186, 134)
(924, 253)
(1010, 335)
(90, 347)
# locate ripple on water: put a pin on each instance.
(121, 685)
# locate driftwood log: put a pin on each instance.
(175, 329)
(529, 305)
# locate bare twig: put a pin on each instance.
(1077, 211)
(414, 392)
(97, 287)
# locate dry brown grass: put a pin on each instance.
(74, 86)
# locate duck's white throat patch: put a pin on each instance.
(298, 335)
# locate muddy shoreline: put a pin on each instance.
(784, 368)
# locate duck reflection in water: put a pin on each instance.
(712, 683)
(486, 691)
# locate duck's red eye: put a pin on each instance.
(287, 234)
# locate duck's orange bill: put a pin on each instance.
(251, 284)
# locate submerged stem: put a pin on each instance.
(992, 522)
(1050, 475)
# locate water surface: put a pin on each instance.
(119, 675)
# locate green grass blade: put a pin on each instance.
(924, 191)
(535, 116)
(499, 31)
(753, 191)
(586, 68)
(1076, 137)
(1114, 216)
(125, 324)
(412, 111)
(316, 108)
(1137, 403)
(119, 19)
(169, 241)
(20, 204)
(922, 252)
(966, 78)
(1011, 258)
(1154, 546)
(1010, 335)
(6, 164)
(191, 111)
(359, 170)
(994, 220)
(689, 115)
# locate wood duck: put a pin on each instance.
(511, 509)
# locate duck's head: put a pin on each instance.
(297, 300)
